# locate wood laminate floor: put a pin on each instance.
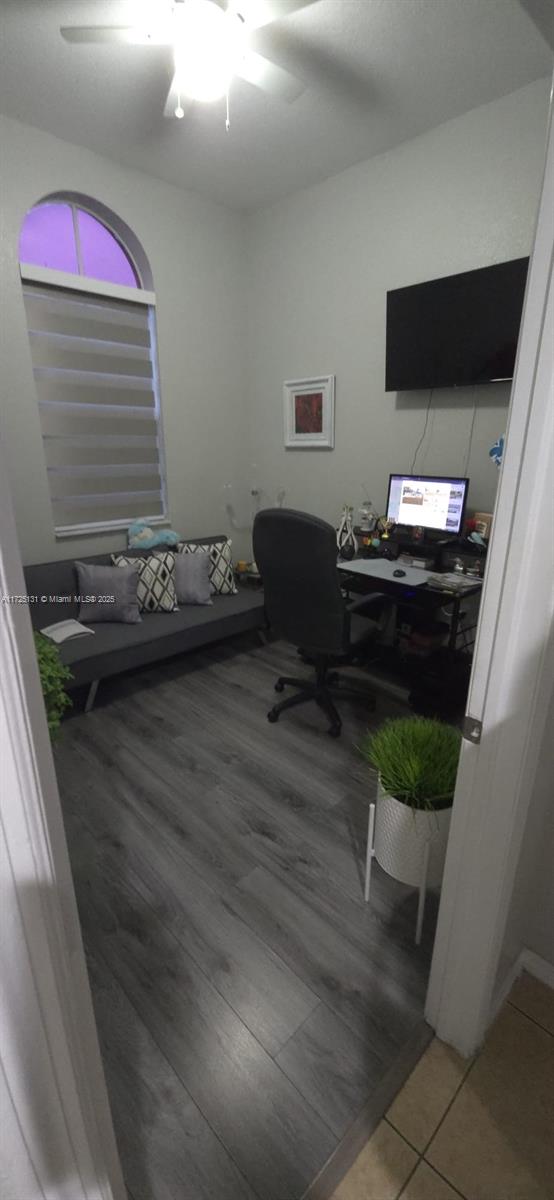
(248, 1002)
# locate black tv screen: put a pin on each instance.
(455, 331)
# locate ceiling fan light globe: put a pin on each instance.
(204, 87)
(202, 76)
(209, 44)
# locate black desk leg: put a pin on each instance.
(453, 636)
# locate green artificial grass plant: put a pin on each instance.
(417, 760)
(53, 676)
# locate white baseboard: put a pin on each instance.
(503, 989)
(528, 961)
(537, 966)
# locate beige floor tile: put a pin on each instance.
(380, 1170)
(496, 1141)
(535, 999)
(420, 1105)
(425, 1184)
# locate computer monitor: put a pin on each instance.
(430, 501)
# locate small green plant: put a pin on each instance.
(417, 759)
(53, 676)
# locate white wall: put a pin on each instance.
(319, 265)
(196, 254)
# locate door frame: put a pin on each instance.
(511, 682)
(52, 1089)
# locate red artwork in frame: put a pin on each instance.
(308, 412)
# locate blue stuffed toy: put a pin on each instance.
(497, 451)
(142, 537)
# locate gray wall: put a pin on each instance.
(245, 302)
(196, 253)
(319, 265)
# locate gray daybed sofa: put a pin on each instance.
(117, 647)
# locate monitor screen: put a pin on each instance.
(430, 501)
(456, 331)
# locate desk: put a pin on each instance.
(421, 597)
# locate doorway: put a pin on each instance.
(506, 697)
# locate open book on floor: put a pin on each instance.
(63, 631)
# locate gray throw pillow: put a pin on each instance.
(192, 578)
(108, 593)
(222, 576)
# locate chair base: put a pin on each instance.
(321, 689)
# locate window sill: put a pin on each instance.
(74, 531)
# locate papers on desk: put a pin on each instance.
(453, 581)
(383, 568)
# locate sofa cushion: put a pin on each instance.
(115, 648)
(54, 584)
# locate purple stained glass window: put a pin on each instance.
(47, 238)
(102, 257)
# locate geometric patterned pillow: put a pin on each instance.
(222, 578)
(156, 580)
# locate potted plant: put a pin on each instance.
(417, 762)
(53, 676)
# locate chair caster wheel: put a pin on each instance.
(272, 716)
(279, 687)
(334, 730)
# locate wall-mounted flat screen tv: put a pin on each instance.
(455, 331)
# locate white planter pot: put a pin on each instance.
(401, 834)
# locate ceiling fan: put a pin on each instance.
(210, 41)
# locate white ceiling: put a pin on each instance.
(377, 72)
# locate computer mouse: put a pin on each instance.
(398, 574)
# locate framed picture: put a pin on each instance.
(309, 409)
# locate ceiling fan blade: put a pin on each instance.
(257, 13)
(174, 98)
(266, 75)
(117, 35)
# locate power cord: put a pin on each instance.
(422, 438)
(466, 463)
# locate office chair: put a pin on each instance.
(296, 555)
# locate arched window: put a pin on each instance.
(91, 326)
(62, 236)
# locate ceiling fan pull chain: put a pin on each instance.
(179, 111)
(227, 120)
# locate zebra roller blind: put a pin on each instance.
(95, 374)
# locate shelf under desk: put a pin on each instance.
(365, 576)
